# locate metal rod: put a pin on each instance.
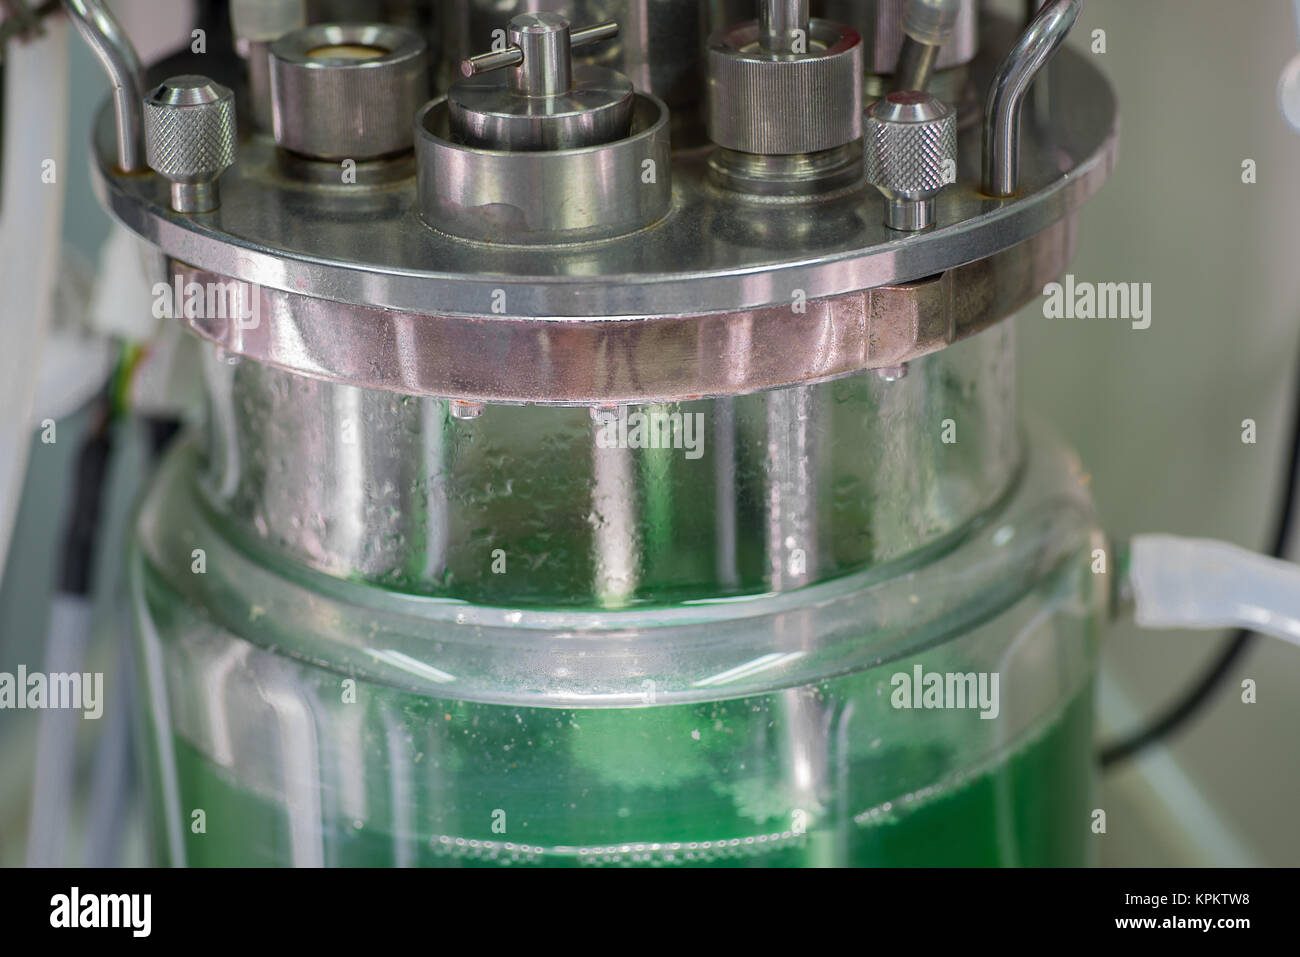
(1042, 38)
(915, 65)
(927, 26)
(496, 60)
(780, 23)
(105, 36)
(514, 56)
(594, 34)
(546, 67)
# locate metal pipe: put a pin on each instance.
(1041, 39)
(916, 63)
(927, 26)
(105, 36)
(780, 25)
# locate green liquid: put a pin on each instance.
(638, 787)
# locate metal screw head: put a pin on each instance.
(461, 409)
(911, 154)
(892, 373)
(190, 134)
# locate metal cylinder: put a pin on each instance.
(881, 24)
(256, 25)
(547, 103)
(487, 114)
(760, 103)
(659, 48)
(347, 91)
(544, 196)
(782, 24)
(543, 42)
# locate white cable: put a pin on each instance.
(1201, 583)
(33, 178)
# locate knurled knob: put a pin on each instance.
(911, 154)
(772, 102)
(190, 134)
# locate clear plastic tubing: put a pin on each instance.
(1201, 583)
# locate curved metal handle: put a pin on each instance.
(105, 36)
(1043, 37)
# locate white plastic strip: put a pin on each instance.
(1201, 583)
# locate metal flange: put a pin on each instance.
(604, 361)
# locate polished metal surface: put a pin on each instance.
(592, 362)
(545, 103)
(347, 91)
(714, 251)
(927, 27)
(257, 53)
(111, 45)
(190, 136)
(597, 109)
(256, 24)
(761, 100)
(790, 176)
(659, 48)
(915, 65)
(1002, 132)
(783, 26)
(911, 154)
(547, 196)
(880, 22)
(266, 21)
(539, 53)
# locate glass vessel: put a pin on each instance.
(852, 623)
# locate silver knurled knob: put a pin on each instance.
(189, 127)
(911, 153)
(766, 100)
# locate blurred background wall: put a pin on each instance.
(1156, 414)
